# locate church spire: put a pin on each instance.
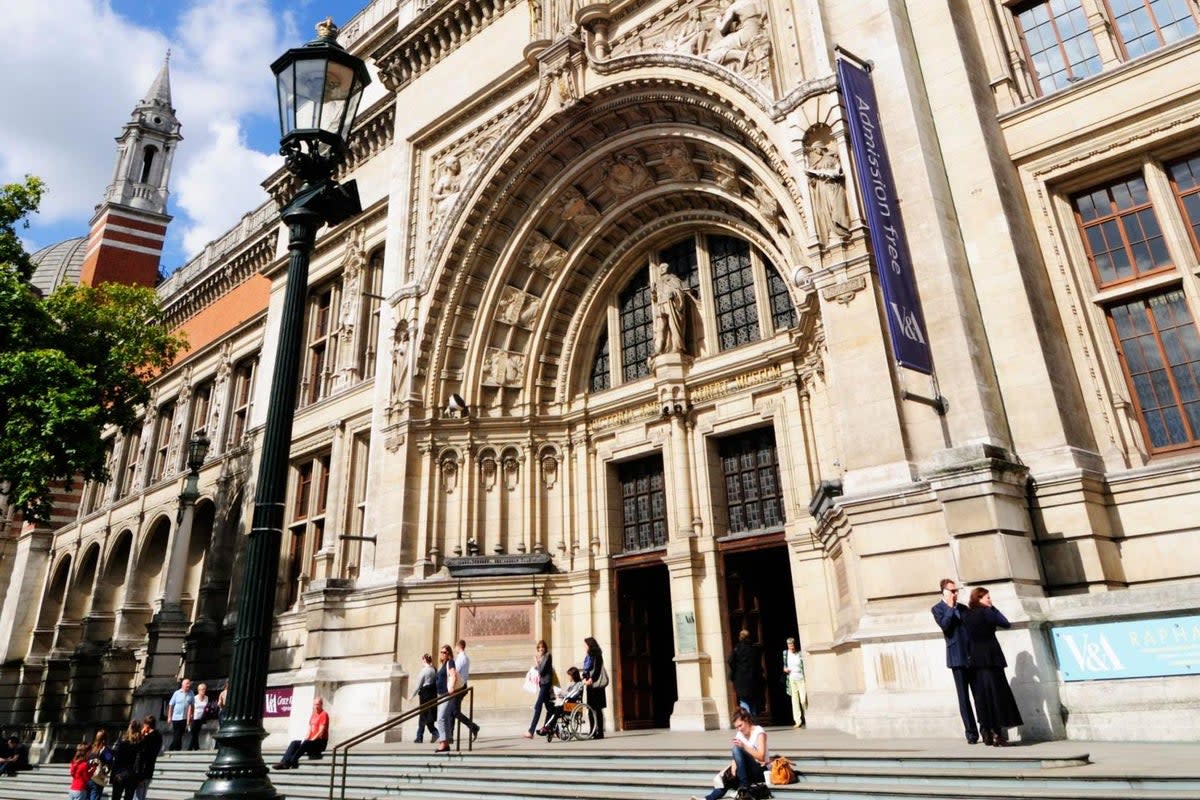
(131, 221)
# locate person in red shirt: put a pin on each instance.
(80, 773)
(312, 745)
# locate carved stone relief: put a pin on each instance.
(545, 256)
(487, 473)
(449, 470)
(827, 186)
(512, 472)
(549, 470)
(517, 307)
(725, 170)
(400, 340)
(503, 367)
(741, 42)
(678, 163)
(625, 173)
(575, 209)
(452, 172)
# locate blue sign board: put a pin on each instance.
(1144, 648)
(906, 323)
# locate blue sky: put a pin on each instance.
(84, 64)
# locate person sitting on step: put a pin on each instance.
(313, 744)
(749, 757)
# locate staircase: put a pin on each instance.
(589, 771)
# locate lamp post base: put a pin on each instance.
(239, 770)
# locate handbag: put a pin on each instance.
(601, 682)
(725, 779)
(533, 681)
(100, 774)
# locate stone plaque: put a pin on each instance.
(496, 622)
(685, 631)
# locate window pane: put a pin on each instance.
(644, 506)
(753, 498)
(637, 330)
(600, 377)
(1120, 231)
(733, 290)
(1060, 46)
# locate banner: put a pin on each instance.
(278, 702)
(1144, 648)
(906, 323)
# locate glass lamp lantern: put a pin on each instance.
(319, 87)
(197, 451)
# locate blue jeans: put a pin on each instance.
(748, 771)
(91, 791)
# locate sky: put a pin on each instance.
(76, 68)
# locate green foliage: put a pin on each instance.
(70, 365)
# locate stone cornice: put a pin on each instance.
(194, 297)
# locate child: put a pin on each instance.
(80, 772)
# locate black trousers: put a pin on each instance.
(178, 727)
(461, 717)
(302, 747)
(962, 683)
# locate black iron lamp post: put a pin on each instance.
(320, 85)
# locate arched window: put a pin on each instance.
(147, 163)
(738, 295)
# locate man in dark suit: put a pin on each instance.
(949, 615)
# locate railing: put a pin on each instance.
(343, 747)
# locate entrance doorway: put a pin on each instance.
(645, 679)
(759, 598)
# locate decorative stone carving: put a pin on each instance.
(725, 171)
(545, 256)
(843, 291)
(512, 472)
(690, 35)
(827, 185)
(503, 368)
(549, 471)
(668, 297)
(487, 473)
(400, 340)
(353, 264)
(517, 307)
(678, 163)
(535, 20)
(446, 186)
(575, 209)
(449, 469)
(741, 41)
(625, 173)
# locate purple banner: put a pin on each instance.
(278, 702)
(906, 323)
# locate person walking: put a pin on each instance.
(203, 707)
(179, 712)
(745, 671)
(995, 706)
(595, 678)
(447, 682)
(948, 613)
(125, 767)
(152, 742)
(544, 664)
(793, 674)
(426, 690)
(100, 758)
(749, 756)
(463, 665)
(312, 745)
(81, 773)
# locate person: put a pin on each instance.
(745, 671)
(100, 758)
(948, 613)
(828, 192)
(596, 680)
(311, 745)
(462, 665)
(202, 708)
(426, 690)
(544, 664)
(793, 673)
(152, 742)
(81, 772)
(669, 297)
(573, 693)
(126, 769)
(447, 682)
(995, 706)
(749, 754)
(222, 701)
(179, 712)
(14, 757)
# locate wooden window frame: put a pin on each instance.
(1115, 27)
(1015, 9)
(1118, 215)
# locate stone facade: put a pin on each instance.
(514, 426)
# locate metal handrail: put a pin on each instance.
(344, 746)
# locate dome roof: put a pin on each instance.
(58, 264)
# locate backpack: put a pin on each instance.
(782, 772)
(757, 791)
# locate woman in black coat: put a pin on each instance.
(995, 706)
(597, 695)
(745, 671)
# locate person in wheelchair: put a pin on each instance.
(566, 702)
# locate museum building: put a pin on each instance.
(666, 319)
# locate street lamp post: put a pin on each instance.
(319, 88)
(197, 452)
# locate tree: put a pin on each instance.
(71, 365)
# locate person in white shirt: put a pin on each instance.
(749, 755)
(179, 712)
(462, 665)
(793, 670)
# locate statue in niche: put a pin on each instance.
(353, 264)
(624, 174)
(576, 210)
(741, 34)
(545, 256)
(827, 185)
(668, 297)
(449, 474)
(678, 162)
(447, 186)
(399, 360)
(512, 472)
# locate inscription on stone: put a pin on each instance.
(495, 622)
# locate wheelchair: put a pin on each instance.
(577, 722)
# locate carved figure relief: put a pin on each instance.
(576, 210)
(668, 297)
(503, 367)
(512, 472)
(400, 337)
(487, 473)
(353, 264)
(690, 35)
(545, 256)
(449, 469)
(740, 40)
(447, 186)
(517, 307)
(725, 171)
(827, 185)
(549, 470)
(625, 174)
(678, 162)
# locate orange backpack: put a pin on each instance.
(782, 772)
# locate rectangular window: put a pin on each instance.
(1185, 180)
(1161, 354)
(94, 492)
(310, 490)
(368, 334)
(637, 327)
(133, 453)
(319, 350)
(162, 441)
(1058, 44)
(1120, 231)
(1146, 25)
(357, 524)
(733, 291)
(201, 403)
(243, 394)
(643, 504)
(753, 497)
